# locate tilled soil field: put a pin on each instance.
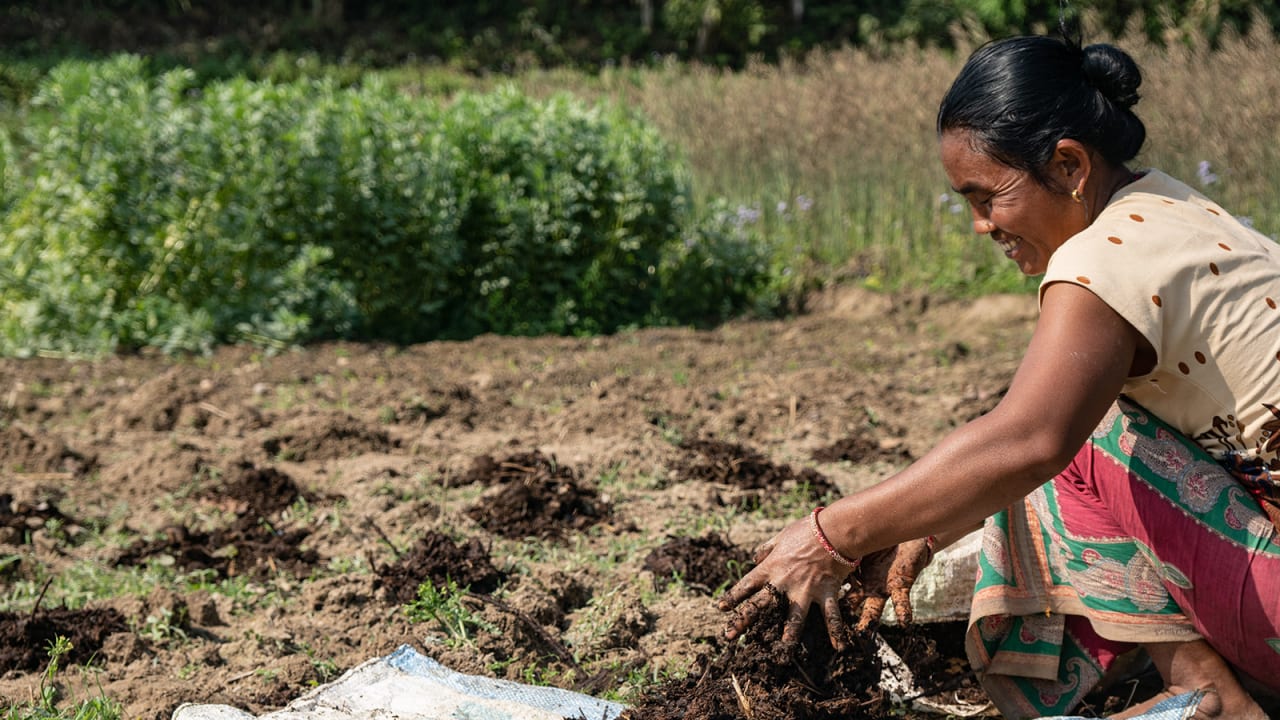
(241, 527)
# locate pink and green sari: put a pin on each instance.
(1143, 538)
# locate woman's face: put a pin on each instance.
(1027, 220)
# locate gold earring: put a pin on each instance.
(1075, 195)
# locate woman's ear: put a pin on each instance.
(1071, 165)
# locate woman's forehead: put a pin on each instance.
(967, 166)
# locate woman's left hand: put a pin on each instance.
(792, 568)
(887, 575)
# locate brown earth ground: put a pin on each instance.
(578, 487)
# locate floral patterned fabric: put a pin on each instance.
(1143, 538)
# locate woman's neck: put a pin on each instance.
(1107, 186)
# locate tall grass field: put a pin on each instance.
(834, 162)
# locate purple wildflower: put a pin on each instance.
(1206, 175)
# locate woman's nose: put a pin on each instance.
(982, 225)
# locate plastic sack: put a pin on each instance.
(944, 590)
(1178, 707)
(408, 685)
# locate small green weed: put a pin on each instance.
(535, 674)
(326, 669)
(670, 431)
(45, 706)
(165, 627)
(446, 606)
(692, 522)
(636, 681)
(796, 501)
(9, 563)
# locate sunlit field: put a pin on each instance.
(827, 169)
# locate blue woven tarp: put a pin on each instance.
(1178, 707)
(411, 686)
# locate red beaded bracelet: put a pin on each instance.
(826, 544)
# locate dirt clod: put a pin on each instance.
(749, 471)
(253, 544)
(703, 563)
(534, 497)
(24, 450)
(257, 491)
(25, 638)
(438, 559)
(861, 447)
(19, 518)
(342, 437)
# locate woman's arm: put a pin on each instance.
(1078, 359)
(1073, 370)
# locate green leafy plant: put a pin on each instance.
(718, 270)
(165, 627)
(571, 209)
(45, 706)
(446, 606)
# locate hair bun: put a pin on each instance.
(1113, 73)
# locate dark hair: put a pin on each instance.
(1020, 96)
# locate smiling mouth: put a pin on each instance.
(1007, 244)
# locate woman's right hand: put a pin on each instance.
(794, 570)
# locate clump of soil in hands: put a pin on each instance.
(758, 677)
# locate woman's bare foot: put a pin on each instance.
(1193, 665)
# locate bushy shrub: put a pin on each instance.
(717, 271)
(570, 211)
(8, 171)
(162, 214)
(151, 218)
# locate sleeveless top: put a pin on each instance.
(1204, 289)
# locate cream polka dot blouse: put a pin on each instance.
(1204, 289)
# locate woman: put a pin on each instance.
(1150, 394)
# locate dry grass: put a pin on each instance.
(853, 131)
(1221, 107)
